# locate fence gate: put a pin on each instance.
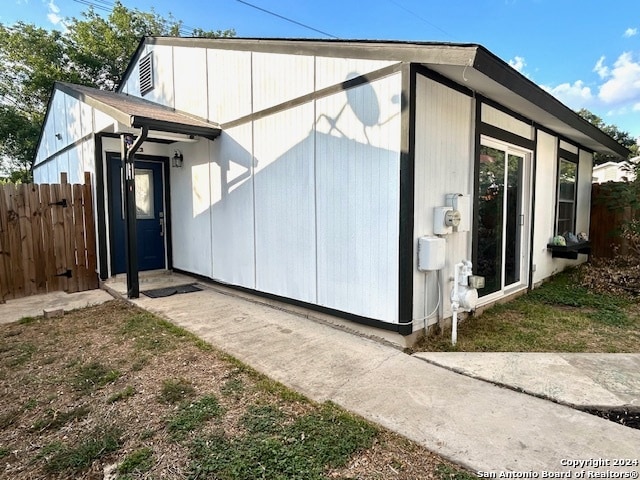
(47, 239)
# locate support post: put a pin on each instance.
(128, 150)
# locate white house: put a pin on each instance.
(308, 170)
(614, 171)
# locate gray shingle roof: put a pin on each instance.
(137, 112)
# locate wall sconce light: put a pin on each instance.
(59, 136)
(177, 159)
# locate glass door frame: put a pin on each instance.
(526, 210)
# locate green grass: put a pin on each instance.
(122, 395)
(271, 386)
(139, 461)
(445, 472)
(191, 416)
(176, 390)
(156, 335)
(262, 419)
(4, 452)
(232, 387)
(93, 375)
(304, 449)
(64, 458)
(20, 354)
(559, 316)
(27, 320)
(53, 420)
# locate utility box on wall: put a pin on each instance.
(461, 203)
(431, 253)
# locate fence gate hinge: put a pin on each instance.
(67, 274)
(62, 203)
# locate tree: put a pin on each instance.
(92, 51)
(622, 137)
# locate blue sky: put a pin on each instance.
(586, 52)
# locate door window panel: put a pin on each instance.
(144, 194)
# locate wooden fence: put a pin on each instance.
(47, 239)
(609, 212)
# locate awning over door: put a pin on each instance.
(135, 112)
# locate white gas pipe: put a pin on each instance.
(462, 272)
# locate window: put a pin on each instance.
(144, 194)
(566, 195)
(146, 74)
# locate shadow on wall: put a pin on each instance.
(316, 221)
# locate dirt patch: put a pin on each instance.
(114, 387)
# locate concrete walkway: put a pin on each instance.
(479, 425)
(596, 380)
(34, 306)
(454, 404)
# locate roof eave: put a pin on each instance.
(210, 133)
(493, 67)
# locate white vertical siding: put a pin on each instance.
(568, 147)
(507, 122)
(358, 191)
(229, 88)
(101, 121)
(74, 119)
(86, 115)
(332, 71)
(46, 148)
(89, 158)
(61, 165)
(585, 171)
(277, 78)
(443, 164)
(163, 76)
(60, 120)
(76, 165)
(190, 85)
(545, 207)
(191, 218)
(284, 204)
(232, 204)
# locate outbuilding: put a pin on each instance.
(353, 177)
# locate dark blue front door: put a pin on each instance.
(149, 213)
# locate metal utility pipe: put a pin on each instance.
(129, 197)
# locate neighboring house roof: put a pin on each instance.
(468, 65)
(137, 112)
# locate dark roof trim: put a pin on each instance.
(493, 67)
(127, 110)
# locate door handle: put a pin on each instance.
(162, 224)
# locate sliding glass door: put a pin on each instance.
(502, 216)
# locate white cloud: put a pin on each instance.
(601, 69)
(630, 32)
(575, 95)
(614, 94)
(622, 83)
(518, 63)
(54, 12)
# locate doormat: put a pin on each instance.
(168, 291)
